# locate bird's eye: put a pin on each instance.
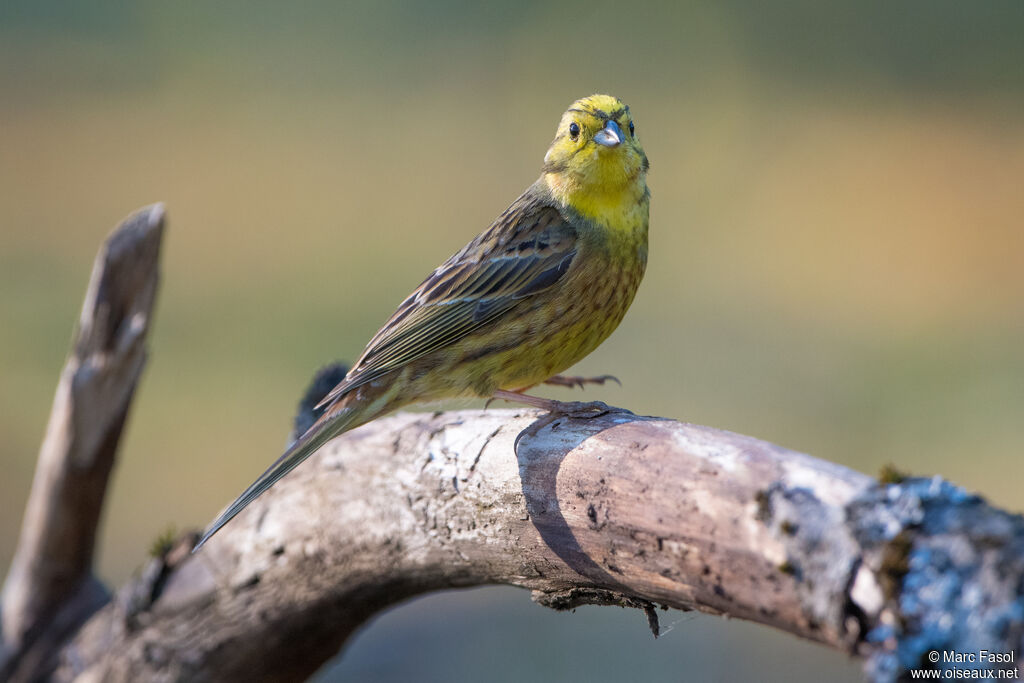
(631, 128)
(574, 130)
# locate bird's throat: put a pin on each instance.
(620, 207)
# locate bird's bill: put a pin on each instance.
(610, 135)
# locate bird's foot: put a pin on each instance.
(581, 409)
(557, 409)
(575, 381)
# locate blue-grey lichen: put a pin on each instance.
(912, 575)
(951, 568)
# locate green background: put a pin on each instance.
(837, 249)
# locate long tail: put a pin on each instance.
(320, 433)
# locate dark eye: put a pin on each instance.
(631, 128)
(574, 130)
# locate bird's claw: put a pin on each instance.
(584, 410)
(579, 382)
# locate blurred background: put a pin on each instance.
(837, 249)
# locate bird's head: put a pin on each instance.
(595, 156)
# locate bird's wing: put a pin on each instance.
(527, 250)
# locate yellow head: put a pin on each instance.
(596, 160)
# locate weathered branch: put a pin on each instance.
(612, 510)
(50, 590)
(617, 509)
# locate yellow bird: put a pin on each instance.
(533, 294)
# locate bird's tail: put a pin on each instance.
(333, 423)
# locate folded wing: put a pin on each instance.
(526, 251)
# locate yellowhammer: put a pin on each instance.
(529, 297)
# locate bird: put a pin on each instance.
(539, 289)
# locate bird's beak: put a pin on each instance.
(610, 135)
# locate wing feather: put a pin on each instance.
(526, 251)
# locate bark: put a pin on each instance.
(617, 509)
(613, 509)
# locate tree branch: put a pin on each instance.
(617, 509)
(49, 590)
(612, 510)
